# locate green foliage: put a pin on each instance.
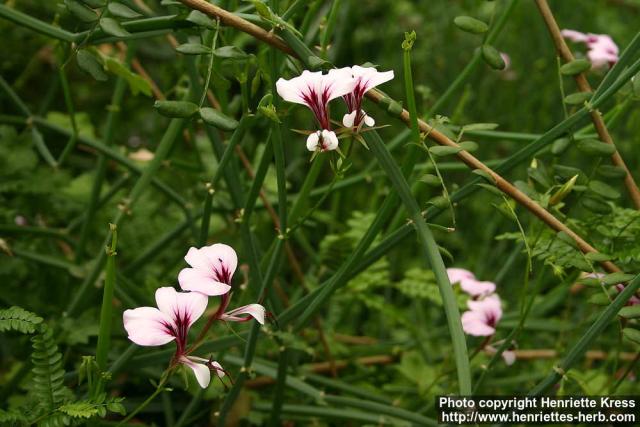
(19, 319)
(82, 77)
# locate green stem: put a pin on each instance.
(432, 254)
(578, 350)
(106, 312)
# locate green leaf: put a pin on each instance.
(630, 312)
(122, 11)
(81, 409)
(479, 126)
(574, 67)
(193, 49)
(137, 84)
(616, 278)
(18, 319)
(632, 335)
(469, 146)
(559, 146)
(81, 11)
(604, 190)
(484, 175)
(492, 57)
(492, 189)
(470, 25)
(201, 19)
(431, 180)
(95, 3)
(577, 98)
(91, 64)
(596, 205)
(230, 52)
(594, 147)
(113, 27)
(181, 109)
(395, 108)
(598, 256)
(444, 150)
(217, 119)
(611, 171)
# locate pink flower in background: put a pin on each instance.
(602, 50)
(634, 300)
(366, 78)
(171, 321)
(469, 284)
(483, 316)
(211, 271)
(315, 90)
(509, 356)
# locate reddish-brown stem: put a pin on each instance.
(584, 86)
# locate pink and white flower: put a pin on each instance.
(483, 316)
(315, 90)
(366, 78)
(211, 271)
(602, 50)
(255, 311)
(171, 321)
(469, 284)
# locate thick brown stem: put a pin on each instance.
(584, 86)
(230, 19)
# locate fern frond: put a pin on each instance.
(48, 375)
(18, 319)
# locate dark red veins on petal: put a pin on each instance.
(221, 273)
(179, 328)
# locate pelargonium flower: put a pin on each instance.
(315, 90)
(509, 356)
(366, 78)
(483, 316)
(602, 50)
(469, 284)
(211, 272)
(171, 321)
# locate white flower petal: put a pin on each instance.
(201, 371)
(349, 119)
(473, 323)
(218, 368)
(293, 90)
(574, 36)
(477, 287)
(457, 274)
(254, 310)
(312, 141)
(329, 140)
(369, 77)
(146, 326)
(368, 120)
(195, 280)
(184, 305)
(509, 357)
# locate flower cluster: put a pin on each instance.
(315, 90)
(210, 274)
(602, 50)
(485, 307)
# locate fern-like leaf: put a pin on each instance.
(18, 319)
(48, 375)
